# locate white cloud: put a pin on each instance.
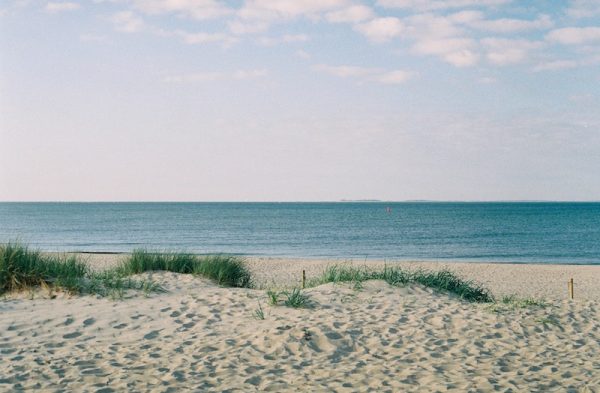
(381, 29)
(394, 77)
(352, 14)
(441, 36)
(202, 37)
(345, 71)
(197, 9)
(365, 74)
(441, 46)
(244, 27)
(54, 7)
(274, 9)
(217, 75)
(461, 58)
(127, 21)
(555, 65)
(428, 26)
(429, 5)
(285, 39)
(574, 35)
(583, 8)
(509, 51)
(456, 51)
(507, 25)
(468, 16)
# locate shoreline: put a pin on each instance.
(347, 258)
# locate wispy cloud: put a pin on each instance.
(55, 7)
(196, 9)
(431, 5)
(365, 74)
(127, 21)
(381, 29)
(211, 76)
(501, 51)
(574, 35)
(284, 39)
(352, 14)
(194, 38)
(583, 9)
(555, 65)
(509, 25)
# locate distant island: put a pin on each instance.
(361, 200)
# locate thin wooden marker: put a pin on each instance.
(303, 279)
(571, 288)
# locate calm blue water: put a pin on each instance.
(502, 232)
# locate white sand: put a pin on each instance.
(202, 337)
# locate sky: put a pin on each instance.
(299, 100)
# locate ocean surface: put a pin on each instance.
(536, 232)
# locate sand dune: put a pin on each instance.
(201, 337)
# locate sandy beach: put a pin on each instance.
(202, 337)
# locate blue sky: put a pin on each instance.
(299, 100)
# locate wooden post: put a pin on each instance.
(571, 289)
(303, 279)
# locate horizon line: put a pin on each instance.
(319, 201)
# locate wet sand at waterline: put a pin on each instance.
(199, 336)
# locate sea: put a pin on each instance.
(516, 232)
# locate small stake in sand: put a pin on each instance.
(303, 279)
(570, 282)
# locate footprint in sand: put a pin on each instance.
(152, 335)
(105, 390)
(88, 322)
(69, 336)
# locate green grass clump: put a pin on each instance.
(21, 268)
(295, 299)
(443, 280)
(225, 270)
(259, 313)
(273, 297)
(513, 302)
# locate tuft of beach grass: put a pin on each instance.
(225, 270)
(442, 280)
(25, 269)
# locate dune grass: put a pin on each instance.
(443, 280)
(21, 268)
(294, 298)
(513, 302)
(24, 269)
(223, 269)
